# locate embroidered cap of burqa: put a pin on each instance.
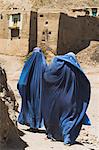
(30, 88)
(65, 98)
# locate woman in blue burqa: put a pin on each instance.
(65, 98)
(30, 89)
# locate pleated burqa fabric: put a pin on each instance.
(59, 94)
(65, 98)
(30, 89)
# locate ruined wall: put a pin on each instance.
(48, 29)
(75, 34)
(9, 137)
(55, 30)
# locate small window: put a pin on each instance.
(43, 40)
(49, 32)
(1, 16)
(94, 12)
(43, 33)
(87, 12)
(15, 8)
(41, 15)
(16, 18)
(46, 22)
(15, 33)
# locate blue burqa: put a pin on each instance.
(65, 98)
(30, 89)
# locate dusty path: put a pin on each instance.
(88, 139)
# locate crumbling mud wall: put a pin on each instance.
(9, 138)
(7, 95)
(75, 34)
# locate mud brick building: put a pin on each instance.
(48, 25)
(17, 31)
(68, 30)
(59, 30)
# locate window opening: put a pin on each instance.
(46, 22)
(15, 33)
(41, 15)
(15, 18)
(49, 32)
(94, 12)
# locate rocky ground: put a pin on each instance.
(89, 136)
(9, 137)
(90, 55)
(36, 4)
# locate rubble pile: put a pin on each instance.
(90, 55)
(7, 95)
(9, 138)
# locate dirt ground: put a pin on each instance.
(89, 136)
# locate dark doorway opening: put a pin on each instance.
(33, 31)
